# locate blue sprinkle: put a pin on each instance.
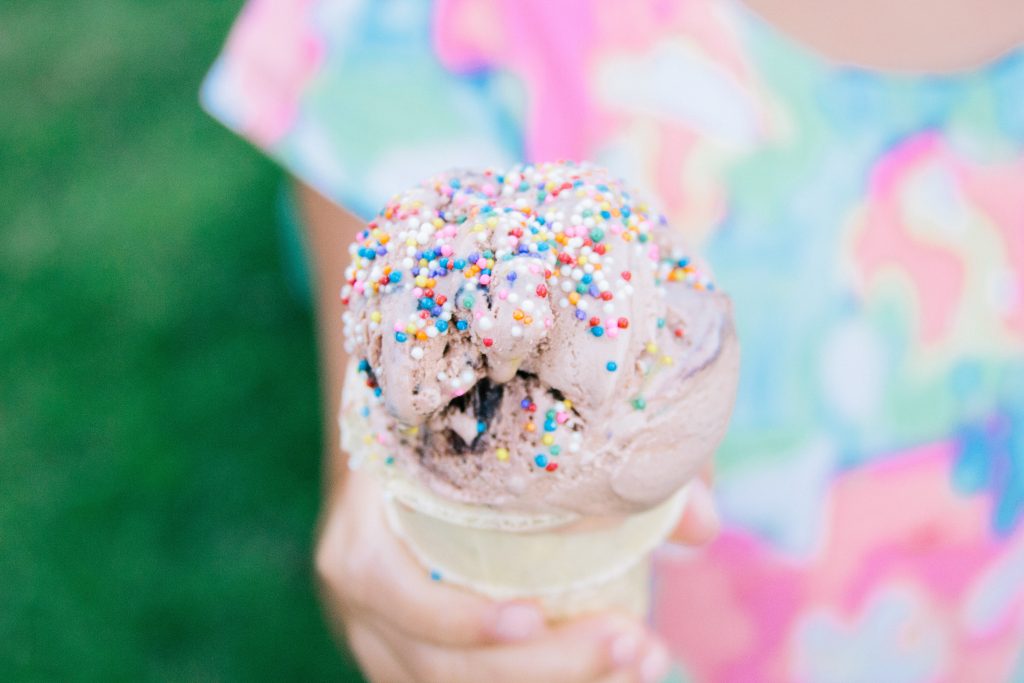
(523, 249)
(400, 337)
(377, 392)
(436, 311)
(543, 246)
(587, 278)
(612, 366)
(661, 322)
(364, 365)
(606, 215)
(512, 276)
(395, 276)
(597, 330)
(365, 411)
(481, 427)
(525, 403)
(541, 460)
(455, 183)
(441, 325)
(459, 264)
(550, 425)
(461, 325)
(435, 575)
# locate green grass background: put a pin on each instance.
(159, 429)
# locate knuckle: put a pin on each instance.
(432, 666)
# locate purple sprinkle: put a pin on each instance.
(580, 314)
(511, 276)
(435, 311)
(594, 291)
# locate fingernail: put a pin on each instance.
(655, 665)
(518, 622)
(624, 649)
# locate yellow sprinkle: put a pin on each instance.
(492, 221)
(667, 360)
(548, 439)
(652, 347)
(438, 222)
(411, 242)
(421, 280)
(582, 260)
(527, 320)
(502, 454)
(412, 431)
(517, 314)
(567, 403)
(375, 316)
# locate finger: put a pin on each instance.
(377, 660)
(654, 664)
(576, 652)
(369, 571)
(699, 523)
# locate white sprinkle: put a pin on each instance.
(416, 352)
(486, 323)
(517, 331)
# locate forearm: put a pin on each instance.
(329, 230)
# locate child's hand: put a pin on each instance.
(404, 627)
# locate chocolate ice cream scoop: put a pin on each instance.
(537, 340)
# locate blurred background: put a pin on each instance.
(159, 426)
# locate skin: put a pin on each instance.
(401, 626)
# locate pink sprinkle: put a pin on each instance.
(611, 332)
(489, 189)
(503, 294)
(399, 327)
(446, 250)
(561, 417)
(548, 322)
(534, 269)
(417, 292)
(485, 279)
(653, 252)
(478, 314)
(359, 286)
